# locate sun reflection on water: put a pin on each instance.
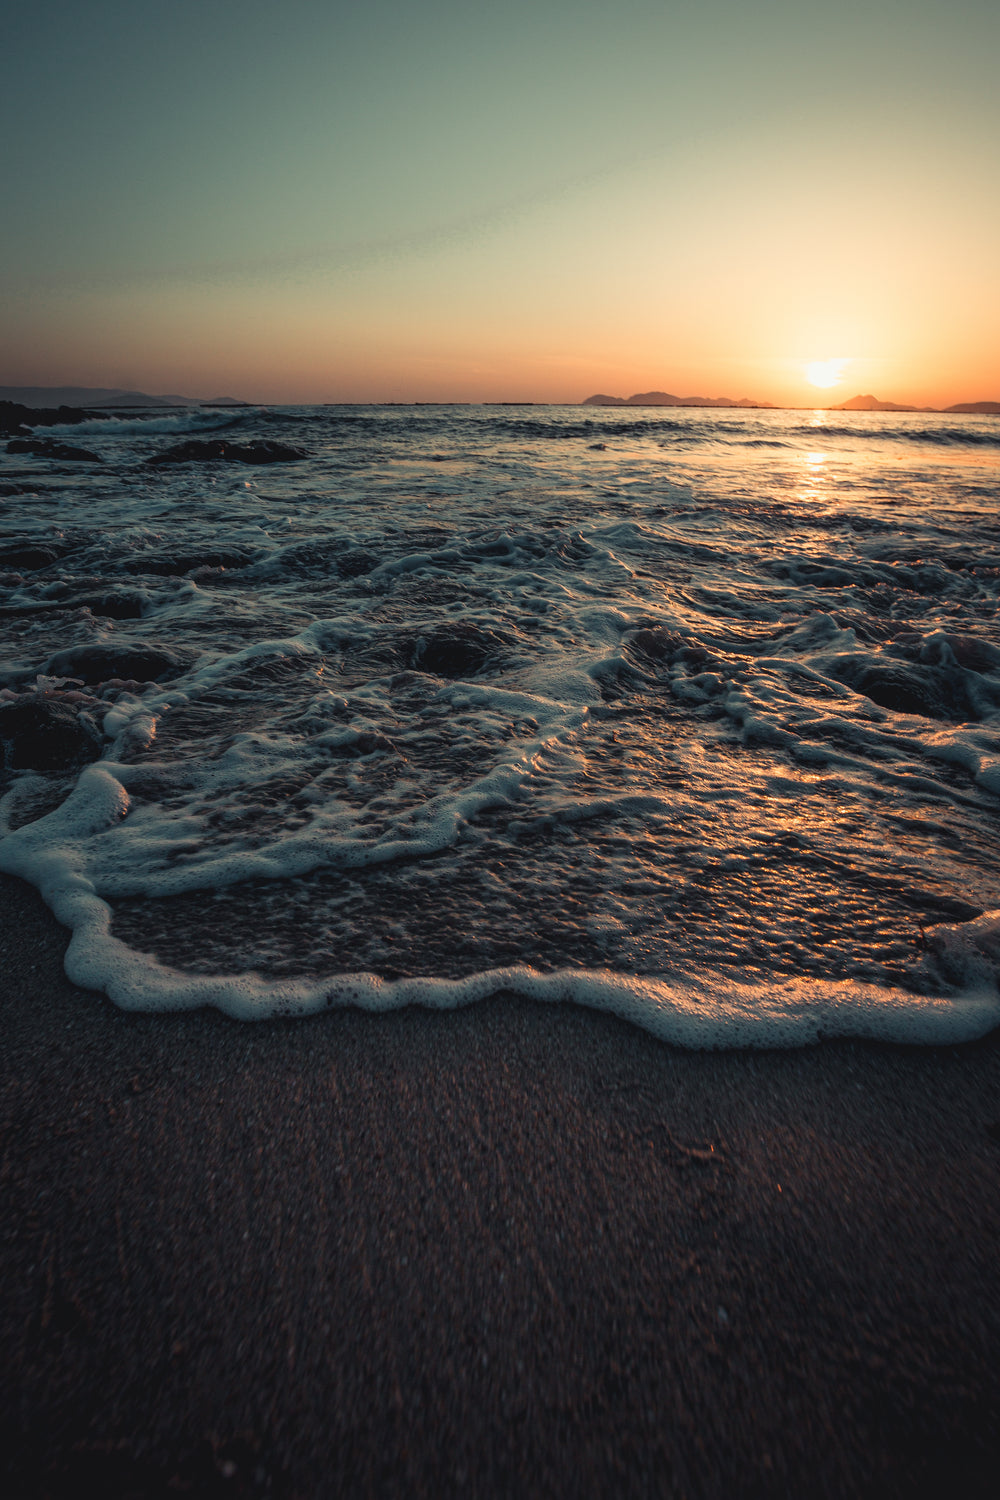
(814, 484)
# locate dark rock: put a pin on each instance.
(903, 689)
(663, 648)
(659, 645)
(457, 650)
(944, 649)
(363, 742)
(48, 448)
(177, 564)
(970, 651)
(822, 575)
(41, 734)
(29, 557)
(139, 663)
(921, 578)
(354, 564)
(315, 559)
(198, 450)
(15, 418)
(116, 605)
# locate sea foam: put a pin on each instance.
(691, 727)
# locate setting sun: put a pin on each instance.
(825, 372)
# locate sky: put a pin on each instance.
(530, 201)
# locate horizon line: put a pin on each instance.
(176, 402)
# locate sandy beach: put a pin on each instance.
(505, 1251)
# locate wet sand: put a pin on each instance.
(513, 1250)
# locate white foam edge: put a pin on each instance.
(703, 1011)
(687, 1013)
(694, 1012)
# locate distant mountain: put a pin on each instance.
(872, 403)
(664, 398)
(100, 396)
(981, 408)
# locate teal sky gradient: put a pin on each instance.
(536, 200)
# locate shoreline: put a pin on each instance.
(514, 1249)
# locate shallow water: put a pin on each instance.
(692, 715)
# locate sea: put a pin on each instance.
(688, 715)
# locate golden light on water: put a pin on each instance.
(814, 481)
(826, 372)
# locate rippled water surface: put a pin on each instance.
(692, 715)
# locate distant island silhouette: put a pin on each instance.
(856, 403)
(664, 398)
(101, 396)
(872, 403)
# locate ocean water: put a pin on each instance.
(693, 716)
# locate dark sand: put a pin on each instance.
(476, 1254)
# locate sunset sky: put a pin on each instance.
(535, 200)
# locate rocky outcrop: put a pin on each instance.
(38, 733)
(116, 604)
(25, 555)
(215, 451)
(48, 448)
(137, 663)
(17, 420)
(907, 688)
(178, 564)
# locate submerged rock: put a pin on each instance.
(200, 450)
(902, 688)
(18, 419)
(98, 663)
(318, 558)
(969, 651)
(116, 605)
(25, 556)
(355, 563)
(661, 648)
(177, 564)
(49, 448)
(39, 733)
(457, 650)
